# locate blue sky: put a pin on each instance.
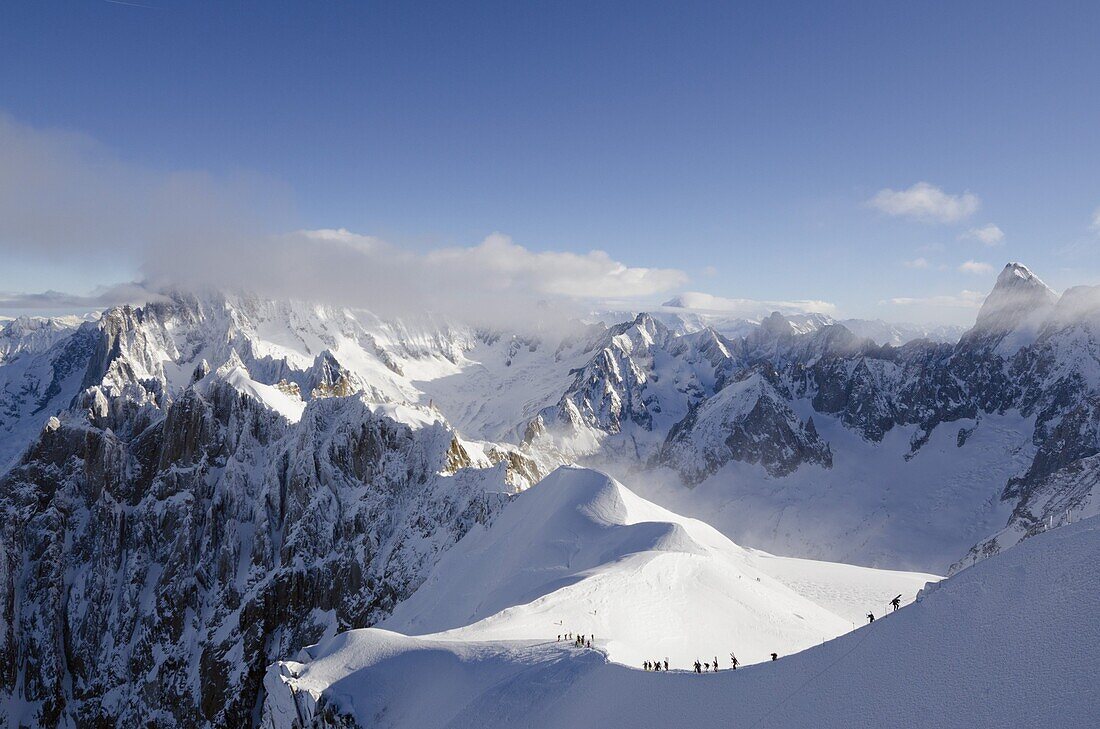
(741, 144)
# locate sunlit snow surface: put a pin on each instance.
(580, 553)
(1012, 641)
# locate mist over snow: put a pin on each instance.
(64, 197)
(67, 200)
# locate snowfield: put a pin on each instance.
(1011, 641)
(581, 553)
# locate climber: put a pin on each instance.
(698, 666)
(716, 664)
(870, 618)
(645, 665)
(666, 664)
(706, 667)
(775, 657)
(896, 602)
(733, 661)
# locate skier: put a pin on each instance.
(559, 637)
(775, 657)
(706, 667)
(666, 664)
(733, 661)
(896, 602)
(698, 666)
(589, 643)
(716, 664)
(645, 665)
(870, 618)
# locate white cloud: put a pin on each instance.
(103, 297)
(64, 197)
(990, 235)
(925, 202)
(916, 263)
(975, 267)
(963, 300)
(499, 263)
(343, 236)
(748, 308)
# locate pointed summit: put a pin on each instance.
(777, 324)
(233, 363)
(1018, 294)
(1019, 303)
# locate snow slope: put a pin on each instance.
(1012, 641)
(873, 506)
(581, 553)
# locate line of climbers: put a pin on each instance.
(579, 641)
(698, 667)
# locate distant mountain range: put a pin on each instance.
(198, 487)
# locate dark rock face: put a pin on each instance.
(748, 421)
(157, 555)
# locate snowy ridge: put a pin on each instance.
(1005, 643)
(581, 552)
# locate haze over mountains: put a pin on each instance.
(201, 486)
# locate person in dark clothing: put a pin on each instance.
(870, 618)
(716, 664)
(645, 665)
(775, 657)
(666, 664)
(698, 667)
(734, 661)
(896, 602)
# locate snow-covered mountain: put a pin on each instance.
(582, 552)
(194, 488)
(932, 447)
(688, 314)
(177, 525)
(1013, 641)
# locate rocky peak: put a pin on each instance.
(1018, 295)
(776, 324)
(233, 363)
(644, 330)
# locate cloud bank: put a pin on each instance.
(975, 267)
(747, 308)
(989, 235)
(925, 202)
(65, 198)
(965, 299)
